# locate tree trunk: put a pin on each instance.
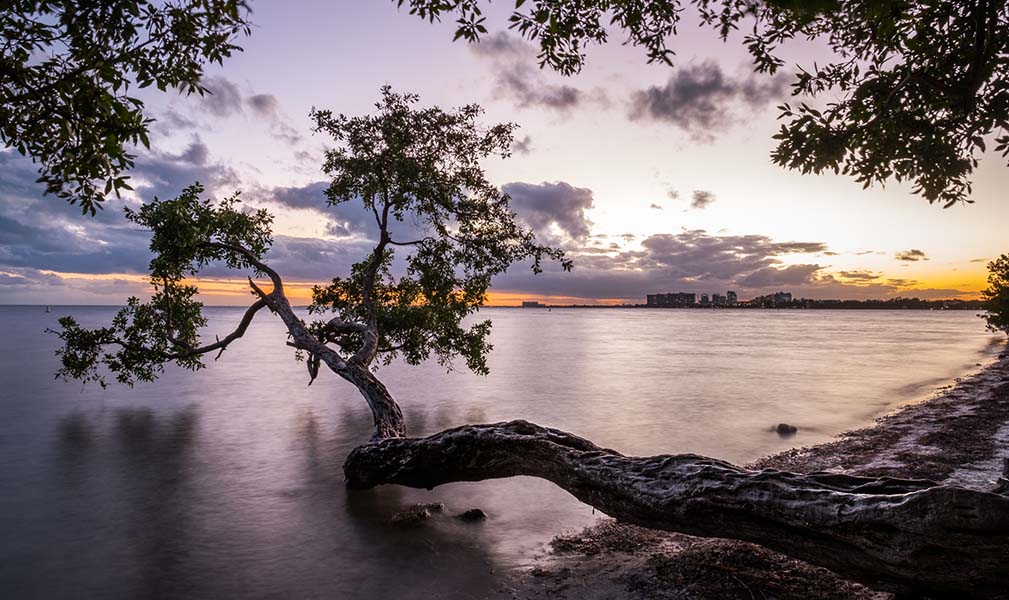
(388, 417)
(906, 536)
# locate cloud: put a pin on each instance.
(172, 121)
(45, 233)
(547, 207)
(655, 206)
(860, 276)
(523, 146)
(516, 75)
(700, 262)
(344, 220)
(701, 199)
(701, 99)
(673, 194)
(223, 98)
(913, 255)
(980, 260)
(264, 105)
(164, 175)
(502, 45)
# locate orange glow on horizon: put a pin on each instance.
(221, 291)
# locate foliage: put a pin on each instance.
(421, 168)
(187, 234)
(69, 70)
(412, 168)
(996, 296)
(915, 90)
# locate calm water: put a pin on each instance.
(228, 482)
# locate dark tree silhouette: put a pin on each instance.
(916, 92)
(66, 73)
(996, 296)
(919, 86)
(419, 169)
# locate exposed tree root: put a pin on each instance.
(898, 535)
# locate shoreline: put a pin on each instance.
(959, 435)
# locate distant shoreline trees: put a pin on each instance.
(996, 295)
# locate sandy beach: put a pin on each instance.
(958, 436)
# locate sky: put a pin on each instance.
(652, 178)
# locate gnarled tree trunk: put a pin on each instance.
(890, 534)
(388, 417)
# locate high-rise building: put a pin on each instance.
(730, 298)
(678, 299)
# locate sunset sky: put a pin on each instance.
(653, 178)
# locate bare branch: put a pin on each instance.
(220, 344)
(278, 284)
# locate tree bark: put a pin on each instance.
(389, 422)
(905, 536)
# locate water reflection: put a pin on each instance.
(187, 488)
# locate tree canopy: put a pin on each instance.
(917, 90)
(417, 170)
(69, 71)
(996, 295)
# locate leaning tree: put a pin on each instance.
(443, 233)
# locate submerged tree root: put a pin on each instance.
(898, 535)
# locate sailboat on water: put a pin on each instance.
(49, 309)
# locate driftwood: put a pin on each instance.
(905, 536)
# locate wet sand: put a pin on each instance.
(958, 436)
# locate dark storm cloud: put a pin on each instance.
(541, 206)
(913, 255)
(701, 199)
(702, 99)
(517, 76)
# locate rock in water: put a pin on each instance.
(415, 515)
(785, 430)
(473, 514)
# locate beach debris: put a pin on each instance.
(471, 515)
(785, 430)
